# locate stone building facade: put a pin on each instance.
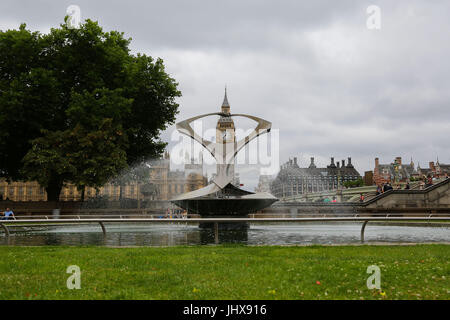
(438, 170)
(293, 180)
(163, 183)
(394, 172)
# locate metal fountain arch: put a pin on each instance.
(217, 150)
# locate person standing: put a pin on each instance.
(8, 213)
(379, 190)
(429, 182)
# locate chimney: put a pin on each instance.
(338, 164)
(295, 160)
(432, 167)
(332, 165)
(343, 163)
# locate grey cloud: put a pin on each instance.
(332, 87)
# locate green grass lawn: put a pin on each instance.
(226, 272)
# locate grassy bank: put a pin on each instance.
(226, 272)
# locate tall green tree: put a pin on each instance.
(76, 106)
(139, 173)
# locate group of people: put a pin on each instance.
(170, 213)
(425, 182)
(333, 200)
(385, 187)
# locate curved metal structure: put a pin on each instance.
(221, 197)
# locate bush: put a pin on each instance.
(354, 184)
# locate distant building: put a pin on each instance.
(264, 183)
(437, 170)
(162, 184)
(294, 180)
(368, 178)
(393, 172)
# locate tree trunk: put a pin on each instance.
(54, 190)
(83, 189)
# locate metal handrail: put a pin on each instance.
(124, 216)
(216, 221)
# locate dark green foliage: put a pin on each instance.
(76, 106)
(354, 184)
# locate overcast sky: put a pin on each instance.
(330, 85)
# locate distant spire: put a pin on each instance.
(225, 99)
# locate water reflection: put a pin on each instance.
(184, 234)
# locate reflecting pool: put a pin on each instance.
(190, 234)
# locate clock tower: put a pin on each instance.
(225, 132)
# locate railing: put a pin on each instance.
(25, 221)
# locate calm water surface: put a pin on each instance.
(182, 234)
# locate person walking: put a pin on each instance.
(8, 213)
(429, 182)
(379, 190)
(361, 198)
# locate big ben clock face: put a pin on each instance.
(226, 135)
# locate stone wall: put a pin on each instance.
(436, 196)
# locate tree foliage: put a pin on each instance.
(354, 184)
(76, 106)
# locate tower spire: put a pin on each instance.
(225, 104)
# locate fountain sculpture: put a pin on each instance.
(222, 198)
